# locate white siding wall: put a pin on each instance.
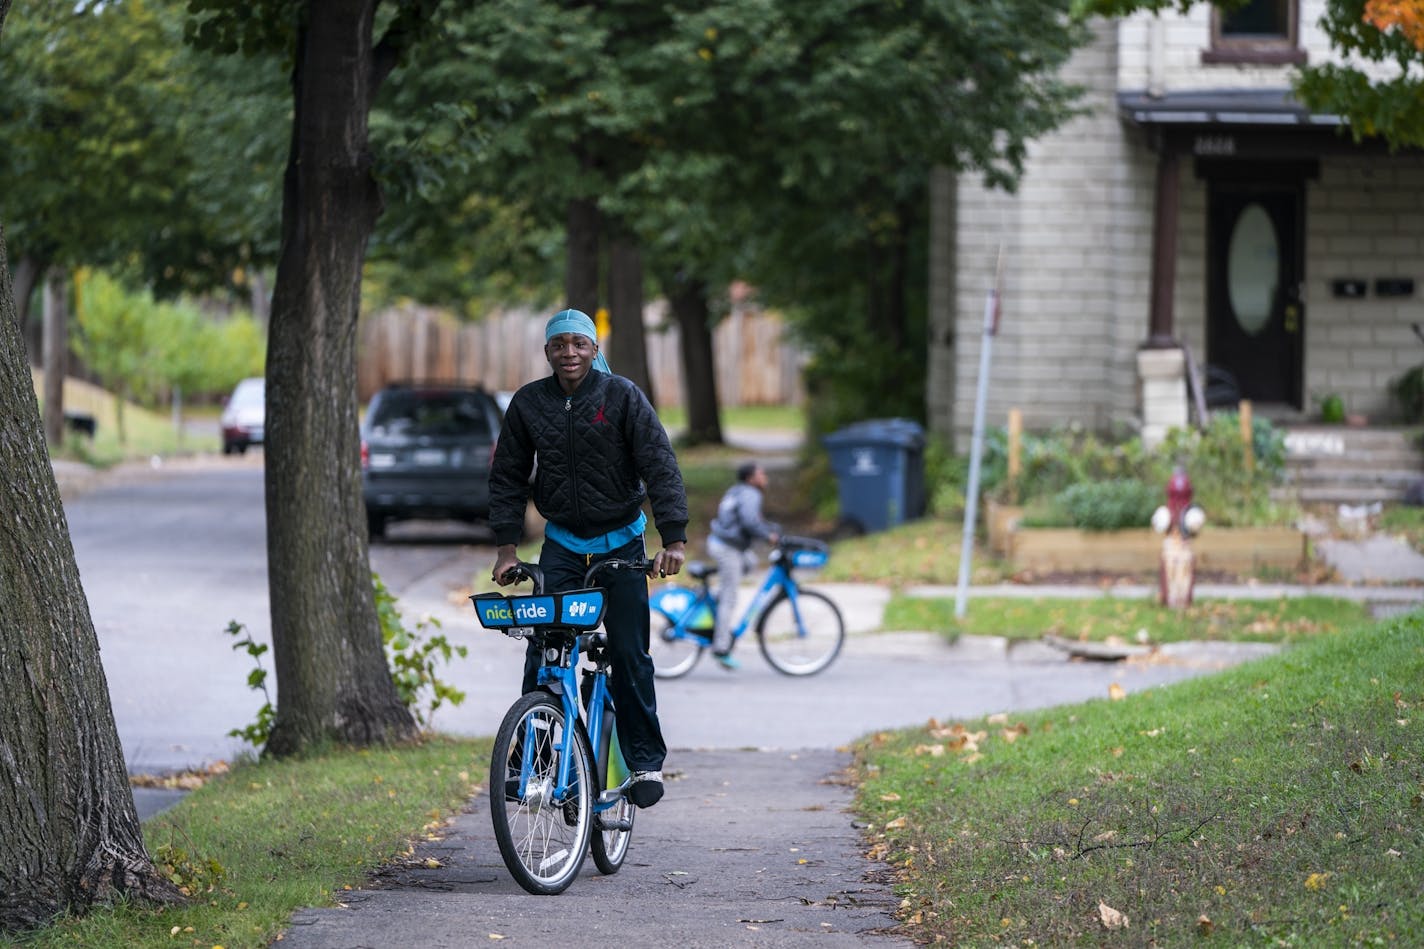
(1366, 220)
(1076, 240)
(1077, 244)
(1185, 36)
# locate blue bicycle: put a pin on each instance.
(800, 631)
(558, 781)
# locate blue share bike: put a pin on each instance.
(800, 631)
(558, 781)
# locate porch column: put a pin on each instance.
(1161, 366)
(1161, 331)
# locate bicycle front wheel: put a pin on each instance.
(613, 826)
(543, 835)
(801, 638)
(674, 654)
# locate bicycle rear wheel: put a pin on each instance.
(542, 838)
(612, 826)
(803, 639)
(673, 654)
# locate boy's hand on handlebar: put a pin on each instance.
(506, 563)
(669, 561)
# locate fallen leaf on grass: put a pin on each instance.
(1111, 918)
(1116, 692)
(1204, 924)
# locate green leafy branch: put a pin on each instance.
(413, 657)
(258, 731)
(412, 654)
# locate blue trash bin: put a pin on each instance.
(880, 472)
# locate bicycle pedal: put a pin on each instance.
(607, 824)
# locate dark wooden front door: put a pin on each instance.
(1255, 266)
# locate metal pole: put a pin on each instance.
(976, 446)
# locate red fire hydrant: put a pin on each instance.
(1180, 520)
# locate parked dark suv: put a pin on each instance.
(426, 452)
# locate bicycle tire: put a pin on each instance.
(542, 848)
(610, 843)
(806, 648)
(673, 656)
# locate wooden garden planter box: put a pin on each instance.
(1228, 549)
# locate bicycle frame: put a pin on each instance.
(561, 678)
(778, 578)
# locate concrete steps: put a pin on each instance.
(1336, 464)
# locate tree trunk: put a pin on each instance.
(688, 299)
(26, 275)
(261, 301)
(56, 352)
(581, 267)
(69, 833)
(628, 350)
(333, 683)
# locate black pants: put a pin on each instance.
(626, 619)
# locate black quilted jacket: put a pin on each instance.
(596, 449)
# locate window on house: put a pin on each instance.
(1257, 31)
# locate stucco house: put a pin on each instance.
(1195, 214)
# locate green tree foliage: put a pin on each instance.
(790, 143)
(142, 350)
(125, 149)
(1390, 106)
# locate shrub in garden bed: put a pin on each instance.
(1074, 478)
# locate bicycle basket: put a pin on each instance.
(576, 609)
(805, 552)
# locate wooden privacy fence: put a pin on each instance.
(756, 365)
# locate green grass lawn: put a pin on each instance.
(1406, 521)
(266, 839)
(144, 433)
(1103, 619)
(1277, 803)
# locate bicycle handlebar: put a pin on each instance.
(522, 571)
(531, 571)
(642, 565)
(795, 542)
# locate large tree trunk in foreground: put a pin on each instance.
(69, 834)
(688, 298)
(627, 350)
(332, 679)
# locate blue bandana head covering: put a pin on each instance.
(576, 321)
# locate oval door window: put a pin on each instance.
(1253, 268)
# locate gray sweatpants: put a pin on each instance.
(732, 565)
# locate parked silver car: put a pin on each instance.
(426, 453)
(244, 416)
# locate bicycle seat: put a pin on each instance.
(700, 570)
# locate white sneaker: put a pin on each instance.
(646, 788)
